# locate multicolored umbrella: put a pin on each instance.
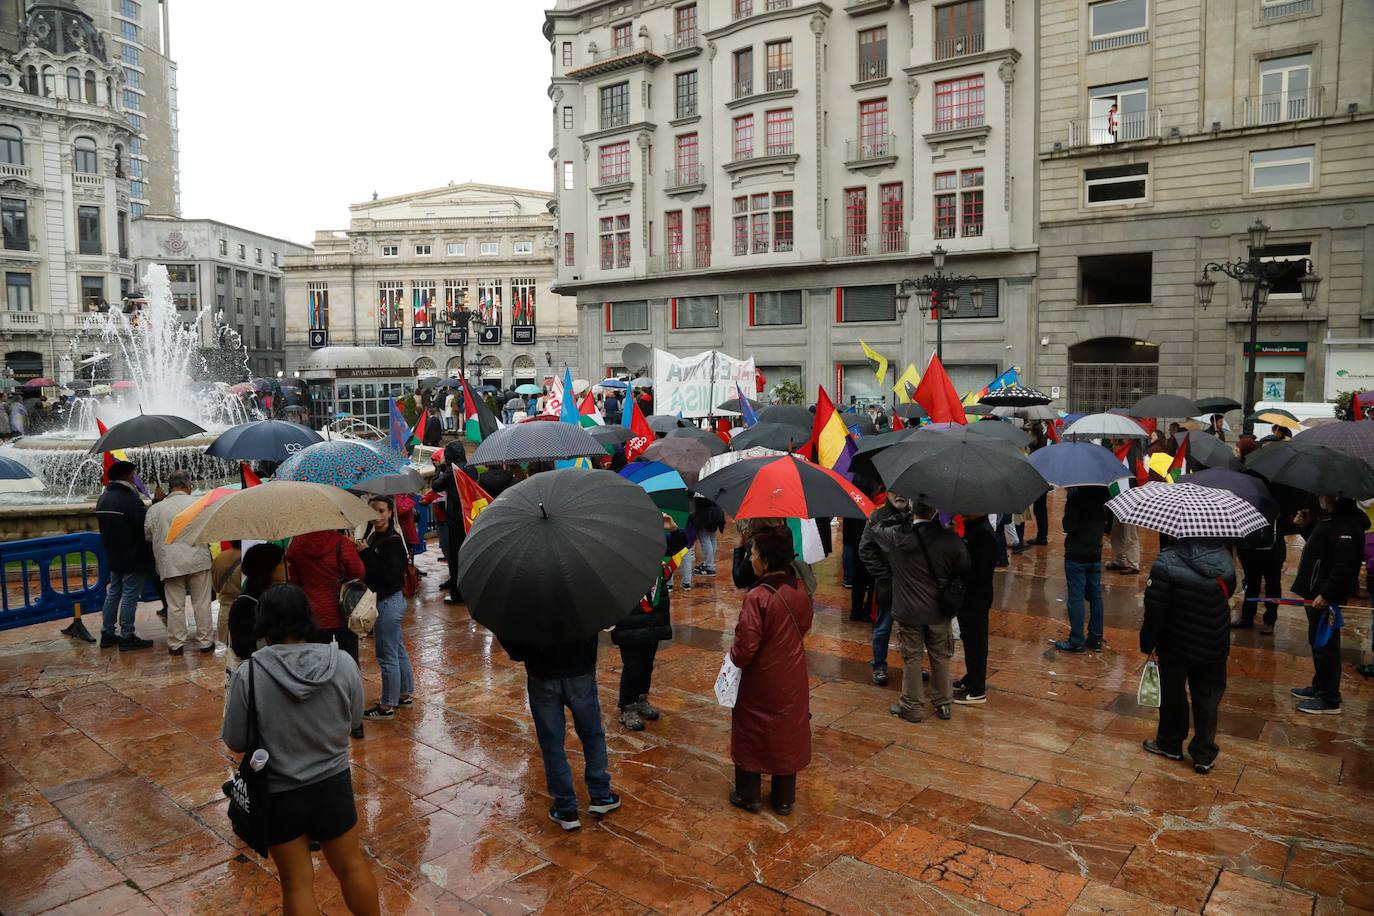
(786, 487)
(277, 509)
(717, 462)
(1015, 396)
(193, 511)
(18, 478)
(340, 463)
(1184, 510)
(664, 485)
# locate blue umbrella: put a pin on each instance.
(612, 383)
(263, 440)
(343, 463)
(17, 478)
(1077, 464)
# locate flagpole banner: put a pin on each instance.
(691, 386)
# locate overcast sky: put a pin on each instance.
(290, 111)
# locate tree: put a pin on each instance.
(788, 391)
(410, 409)
(1344, 409)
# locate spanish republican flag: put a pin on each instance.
(829, 435)
(473, 498)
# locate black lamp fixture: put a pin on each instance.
(937, 293)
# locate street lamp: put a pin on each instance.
(937, 293)
(464, 318)
(1256, 278)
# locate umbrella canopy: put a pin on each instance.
(1313, 468)
(664, 485)
(340, 463)
(263, 440)
(17, 478)
(528, 389)
(1164, 405)
(1353, 438)
(1183, 510)
(1015, 396)
(785, 487)
(781, 436)
(868, 446)
(406, 480)
(1000, 429)
(449, 383)
(912, 411)
(277, 509)
(1037, 412)
(580, 385)
(1077, 464)
(525, 442)
(732, 404)
(713, 443)
(1247, 486)
(861, 422)
(194, 511)
(663, 423)
(7, 383)
(1276, 417)
(429, 384)
(787, 413)
(724, 461)
(959, 471)
(1105, 426)
(123, 385)
(1208, 451)
(40, 382)
(613, 383)
(686, 456)
(561, 556)
(642, 382)
(611, 435)
(1218, 404)
(978, 410)
(145, 429)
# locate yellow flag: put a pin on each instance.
(911, 377)
(972, 397)
(877, 358)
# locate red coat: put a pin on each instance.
(405, 514)
(320, 562)
(770, 726)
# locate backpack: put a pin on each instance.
(949, 597)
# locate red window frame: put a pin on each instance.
(622, 240)
(687, 159)
(672, 238)
(759, 233)
(622, 35)
(782, 230)
(891, 217)
(569, 251)
(743, 147)
(701, 237)
(778, 131)
(873, 128)
(607, 227)
(685, 21)
(959, 103)
(971, 203)
(855, 221)
(615, 162)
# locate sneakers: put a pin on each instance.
(1158, 751)
(880, 675)
(686, 586)
(1319, 707)
(1203, 767)
(646, 711)
(604, 805)
(910, 715)
(964, 698)
(1242, 624)
(1067, 645)
(565, 819)
(406, 700)
(1266, 629)
(179, 650)
(957, 683)
(1095, 647)
(108, 640)
(944, 711)
(356, 733)
(378, 712)
(1364, 670)
(131, 643)
(206, 650)
(631, 719)
(706, 571)
(1304, 693)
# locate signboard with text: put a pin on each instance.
(1349, 367)
(692, 386)
(389, 337)
(457, 336)
(522, 334)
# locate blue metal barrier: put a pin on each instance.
(46, 578)
(423, 522)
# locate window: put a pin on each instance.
(223, 248)
(615, 241)
(456, 249)
(129, 8)
(424, 250)
(1285, 89)
(567, 54)
(742, 70)
(778, 61)
(1282, 169)
(959, 103)
(742, 8)
(424, 304)
(1118, 23)
(129, 54)
(74, 84)
(958, 29)
(15, 216)
(567, 176)
(696, 312)
(238, 279)
(257, 283)
(856, 221)
(686, 160)
(740, 222)
(222, 276)
(1294, 256)
(11, 145)
(488, 249)
(275, 262)
(569, 250)
(136, 168)
(257, 255)
(701, 238)
(133, 101)
(615, 105)
(128, 31)
(243, 252)
(522, 301)
(615, 162)
(1115, 279)
(524, 247)
(390, 304)
(132, 78)
(775, 308)
(873, 54)
(19, 292)
(779, 131)
(84, 156)
(1117, 112)
(391, 251)
(971, 203)
(628, 316)
(893, 225)
(874, 139)
(959, 304)
(122, 219)
(455, 298)
(685, 26)
(621, 36)
(686, 94)
(135, 122)
(782, 220)
(1115, 184)
(868, 303)
(672, 239)
(88, 230)
(137, 188)
(567, 117)
(744, 138)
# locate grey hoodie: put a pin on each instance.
(309, 696)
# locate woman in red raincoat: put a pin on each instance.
(770, 727)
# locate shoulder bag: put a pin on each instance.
(357, 603)
(247, 790)
(949, 597)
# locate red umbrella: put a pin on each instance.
(39, 382)
(785, 487)
(123, 383)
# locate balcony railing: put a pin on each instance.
(1124, 40)
(613, 178)
(1120, 128)
(778, 80)
(615, 118)
(960, 123)
(958, 45)
(866, 148)
(744, 88)
(770, 5)
(780, 148)
(872, 70)
(682, 41)
(639, 46)
(23, 322)
(686, 111)
(1277, 107)
(679, 261)
(858, 246)
(1271, 10)
(7, 170)
(742, 154)
(682, 176)
(83, 178)
(744, 8)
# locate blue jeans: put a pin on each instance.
(547, 699)
(122, 595)
(392, 657)
(1085, 581)
(706, 549)
(882, 636)
(689, 560)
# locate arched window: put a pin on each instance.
(74, 84)
(86, 161)
(119, 160)
(49, 82)
(31, 81)
(109, 91)
(90, 87)
(11, 145)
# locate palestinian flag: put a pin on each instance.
(588, 413)
(478, 420)
(1137, 473)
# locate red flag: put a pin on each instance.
(473, 498)
(1148, 424)
(937, 395)
(1355, 406)
(897, 423)
(1176, 466)
(106, 459)
(246, 476)
(643, 435)
(1052, 431)
(1141, 470)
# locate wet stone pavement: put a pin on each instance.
(1040, 802)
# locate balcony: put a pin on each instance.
(860, 7)
(681, 44)
(967, 122)
(780, 148)
(778, 80)
(743, 89)
(743, 9)
(871, 70)
(863, 246)
(958, 46)
(675, 262)
(615, 118)
(867, 152)
(1129, 126)
(81, 178)
(683, 179)
(1278, 107)
(1122, 40)
(1276, 9)
(618, 58)
(9, 170)
(23, 323)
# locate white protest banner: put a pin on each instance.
(692, 386)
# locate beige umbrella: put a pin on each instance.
(274, 510)
(580, 385)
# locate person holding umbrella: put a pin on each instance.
(640, 632)
(1262, 555)
(121, 516)
(183, 568)
(1084, 517)
(1041, 506)
(1328, 575)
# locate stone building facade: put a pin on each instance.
(1167, 127)
(759, 175)
(406, 265)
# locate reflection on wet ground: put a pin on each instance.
(1042, 801)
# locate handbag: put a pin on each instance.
(249, 809)
(1147, 694)
(741, 568)
(949, 598)
(357, 602)
(410, 579)
(727, 683)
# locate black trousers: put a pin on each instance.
(1205, 682)
(823, 529)
(636, 672)
(1326, 661)
(1042, 519)
(347, 639)
(1262, 568)
(861, 592)
(782, 791)
(456, 536)
(973, 632)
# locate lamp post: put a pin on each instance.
(1257, 278)
(938, 293)
(464, 318)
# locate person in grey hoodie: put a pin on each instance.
(308, 698)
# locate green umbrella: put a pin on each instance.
(528, 389)
(664, 485)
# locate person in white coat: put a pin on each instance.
(184, 568)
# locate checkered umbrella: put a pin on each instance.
(1015, 396)
(1184, 510)
(1353, 438)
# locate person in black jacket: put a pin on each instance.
(1262, 555)
(433, 428)
(120, 513)
(971, 689)
(385, 557)
(1084, 516)
(1041, 508)
(443, 482)
(894, 508)
(1328, 574)
(1187, 624)
(639, 634)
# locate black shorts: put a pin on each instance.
(323, 811)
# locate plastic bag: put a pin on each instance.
(727, 683)
(1148, 692)
(1329, 624)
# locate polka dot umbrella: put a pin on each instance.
(343, 463)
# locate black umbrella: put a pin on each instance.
(449, 383)
(526, 442)
(262, 440)
(696, 434)
(1349, 436)
(1247, 486)
(426, 384)
(1015, 396)
(1164, 405)
(959, 471)
(868, 446)
(787, 413)
(664, 423)
(860, 421)
(145, 429)
(1313, 468)
(560, 556)
(781, 436)
(1218, 404)
(1208, 451)
(912, 411)
(611, 434)
(978, 410)
(1000, 429)
(732, 404)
